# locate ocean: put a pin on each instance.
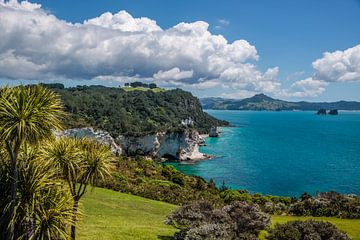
(283, 153)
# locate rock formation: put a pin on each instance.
(181, 145)
(321, 112)
(333, 112)
(213, 132)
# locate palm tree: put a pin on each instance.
(43, 205)
(27, 115)
(81, 162)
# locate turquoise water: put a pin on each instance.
(284, 153)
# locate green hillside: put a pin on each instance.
(125, 111)
(263, 102)
(113, 215)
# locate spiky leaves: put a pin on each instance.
(29, 113)
(80, 162)
(43, 205)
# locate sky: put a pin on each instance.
(295, 50)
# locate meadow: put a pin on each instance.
(118, 216)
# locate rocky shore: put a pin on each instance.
(178, 146)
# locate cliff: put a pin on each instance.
(180, 145)
(165, 124)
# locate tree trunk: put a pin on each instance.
(14, 183)
(74, 219)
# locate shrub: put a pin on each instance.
(200, 220)
(303, 230)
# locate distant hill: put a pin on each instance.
(263, 102)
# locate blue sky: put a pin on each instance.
(289, 35)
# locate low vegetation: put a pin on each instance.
(201, 221)
(310, 229)
(109, 214)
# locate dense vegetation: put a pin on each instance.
(141, 84)
(34, 202)
(263, 102)
(146, 178)
(133, 112)
(327, 204)
(201, 221)
(299, 230)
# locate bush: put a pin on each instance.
(200, 220)
(306, 230)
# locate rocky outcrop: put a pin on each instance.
(101, 136)
(321, 112)
(181, 146)
(333, 112)
(213, 132)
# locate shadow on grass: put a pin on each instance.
(165, 237)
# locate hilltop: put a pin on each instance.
(136, 113)
(263, 102)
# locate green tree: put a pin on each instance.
(27, 115)
(81, 162)
(43, 206)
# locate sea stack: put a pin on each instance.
(321, 112)
(333, 112)
(213, 132)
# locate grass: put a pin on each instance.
(112, 215)
(128, 89)
(118, 216)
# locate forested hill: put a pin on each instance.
(263, 102)
(133, 112)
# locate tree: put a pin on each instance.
(201, 221)
(80, 162)
(43, 206)
(27, 115)
(298, 230)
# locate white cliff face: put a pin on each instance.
(101, 136)
(180, 146)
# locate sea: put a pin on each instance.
(283, 153)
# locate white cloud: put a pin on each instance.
(339, 66)
(118, 47)
(306, 88)
(173, 74)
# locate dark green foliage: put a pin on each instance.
(200, 221)
(146, 178)
(133, 112)
(327, 204)
(43, 205)
(306, 230)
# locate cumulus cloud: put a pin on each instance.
(339, 66)
(306, 88)
(173, 74)
(119, 47)
(111, 45)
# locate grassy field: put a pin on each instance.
(113, 215)
(128, 89)
(118, 216)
